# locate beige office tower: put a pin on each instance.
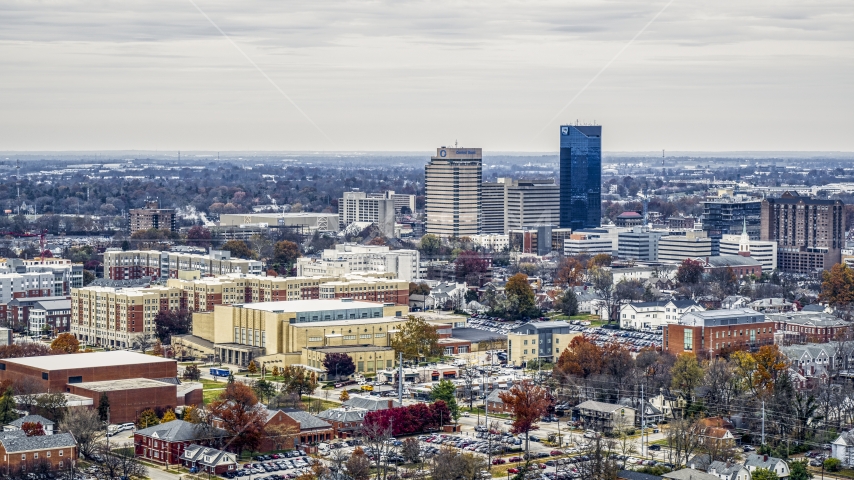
(453, 191)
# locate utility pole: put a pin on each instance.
(643, 420)
(763, 422)
(400, 378)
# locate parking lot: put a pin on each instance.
(280, 466)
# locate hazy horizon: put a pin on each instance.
(681, 75)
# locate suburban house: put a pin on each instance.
(208, 459)
(650, 414)
(345, 421)
(717, 430)
(649, 315)
(494, 402)
(165, 443)
(605, 417)
(729, 471)
(776, 465)
(20, 453)
(47, 425)
(843, 448)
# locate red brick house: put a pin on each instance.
(306, 430)
(165, 443)
(20, 454)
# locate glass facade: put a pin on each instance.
(580, 176)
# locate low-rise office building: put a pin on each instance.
(538, 340)
(587, 243)
(605, 417)
(676, 248)
(799, 327)
(717, 330)
(348, 259)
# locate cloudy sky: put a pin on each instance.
(706, 75)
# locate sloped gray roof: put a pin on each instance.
(761, 461)
(690, 474)
(732, 261)
(18, 441)
(730, 470)
(343, 415)
(176, 431)
(494, 396)
(31, 418)
(307, 421)
(630, 475)
(370, 403)
(197, 453)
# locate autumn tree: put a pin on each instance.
(470, 265)
(33, 429)
(339, 364)
(157, 349)
(419, 288)
(430, 245)
(147, 418)
(252, 368)
(416, 340)
(168, 416)
(359, 465)
(582, 358)
(690, 272)
(687, 375)
(344, 396)
(241, 415)
(264, 389)
(281, 435)
(285, 253)
(452, 464)
(192, 372)
(600, 260)
(65, 343)
(570, 272)
(837, 289)
(763, 474)
(239, 249)
(299, 381)
(172, 322)
(528, 403)
(520, 297)
(199, 236)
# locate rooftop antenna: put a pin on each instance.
(455, 144)
(179, 155)
(18, 177)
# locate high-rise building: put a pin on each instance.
(810, 233)
(359, 207)
(580, 176)
(492, 207)
(531, 203)
(452, 182)
(152, 216)
(728, 216)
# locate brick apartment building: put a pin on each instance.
(307, 428)
(152, 216)
(53, 311)
(20, 454)
(346, 422)
(135, 264)
(800, 327)
(166, 443)
(133, 382)
(716, 330)
(810, 233)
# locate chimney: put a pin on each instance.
(765, 458)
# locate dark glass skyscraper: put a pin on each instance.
(580, 176)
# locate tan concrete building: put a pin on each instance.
(453, 191)
(277, 333)
(538, 340)
(112, 316)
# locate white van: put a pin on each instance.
(128, 426)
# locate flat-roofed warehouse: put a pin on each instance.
(150, 381)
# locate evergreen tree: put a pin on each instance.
(104, 408)
(7, 407)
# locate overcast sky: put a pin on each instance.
(412, 75)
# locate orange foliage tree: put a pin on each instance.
(65, 343)
(837, 289)
(581, 359)
(241, 416)
(570, 272)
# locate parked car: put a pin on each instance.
(655, 448)
(498, 461)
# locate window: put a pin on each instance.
(526, 352)
(23, 456)
(379, 335)
(44, 376)
(60, 454)
(313, 339)
(36, 455)
(365, 335)
(77, 379)
(689, 340)
(48, 454)
(349, 337)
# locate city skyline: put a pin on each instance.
(407, 77)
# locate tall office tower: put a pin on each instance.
(359, 207)
(531, 203)
(492, 206)
(580, 176)
(810, 233)
(452, 182)
(728, 216)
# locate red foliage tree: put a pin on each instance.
(410, 420)
(529, 403)
(690, 272)
(241, 416)
(33, 429)
(581, 359)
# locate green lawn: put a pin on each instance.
(210, 395)
(326, 404)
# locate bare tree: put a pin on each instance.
(142, 341)
(450, 464)
(683, 439)
(378, 440)
(602, 464)
(118, 464)
(86, 427)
